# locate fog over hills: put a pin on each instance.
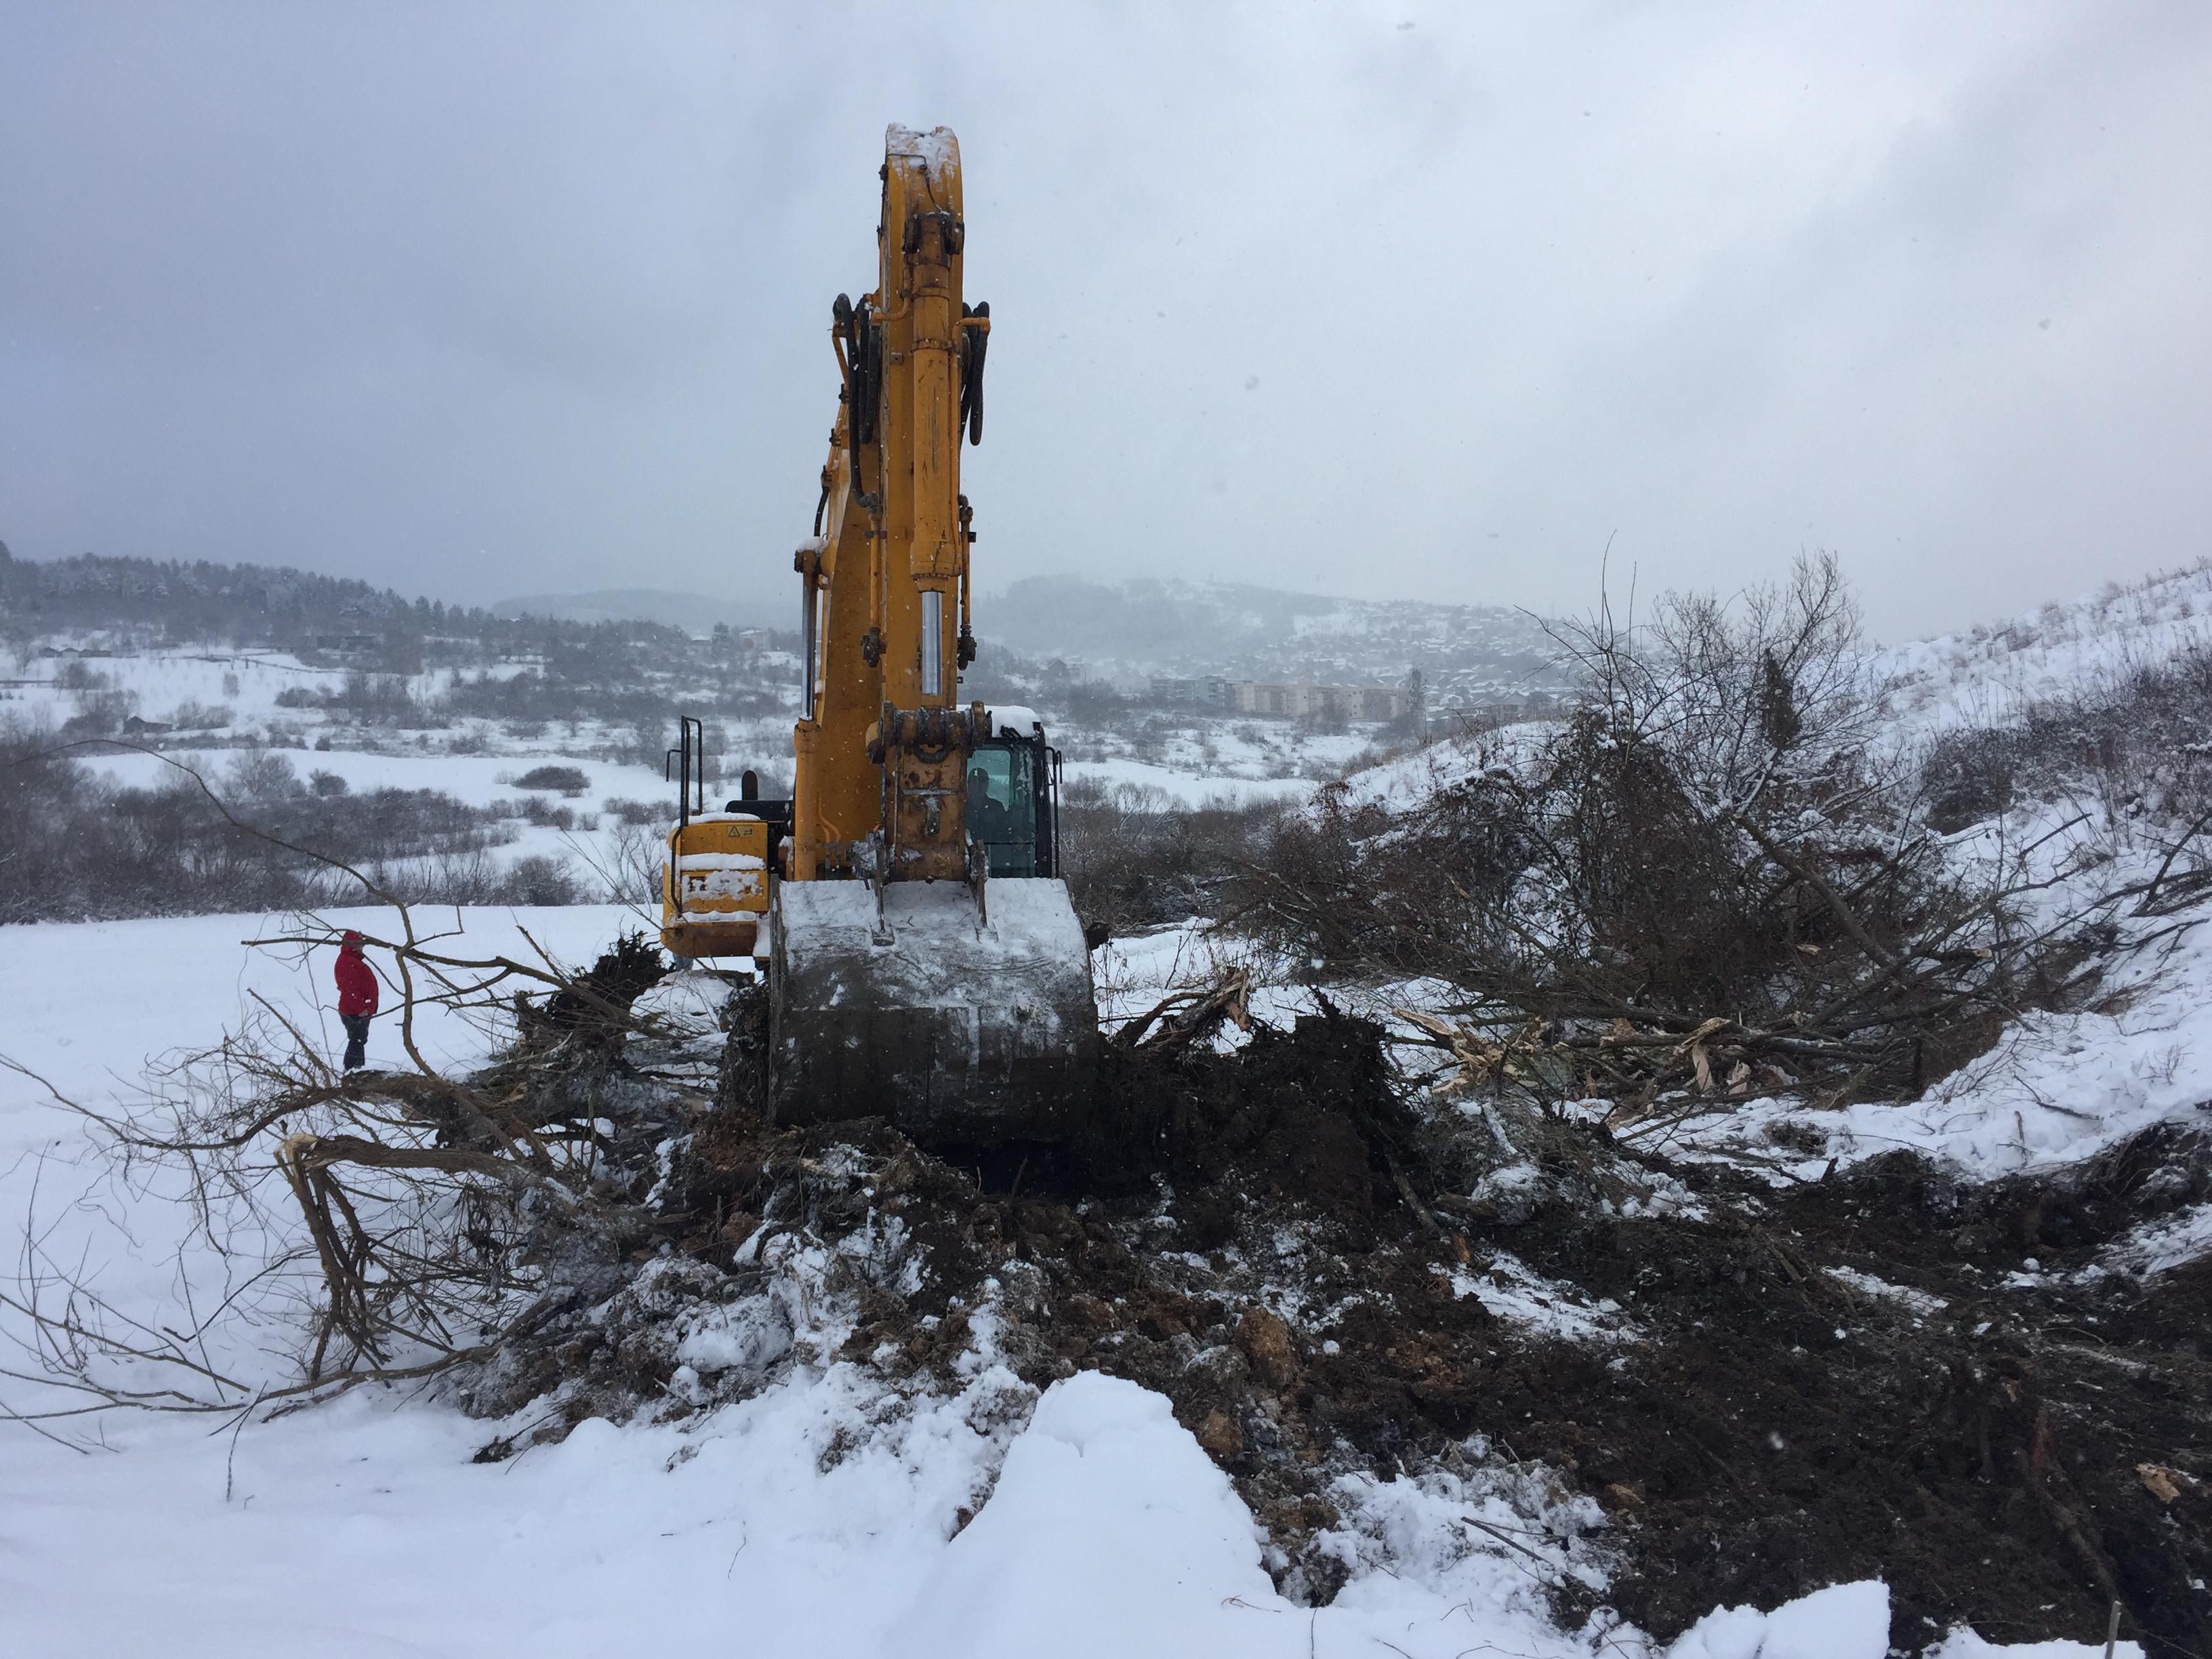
(1146, 625)
(1242, 632)
(695, 611)
(1118, 631)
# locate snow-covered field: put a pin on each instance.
(89, 1006)
(1187, 788)
(818, 1517)
(227, 701)
(826, 1514)
(478, 780)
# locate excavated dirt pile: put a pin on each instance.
(1766, 1390)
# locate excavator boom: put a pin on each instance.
(925, 965)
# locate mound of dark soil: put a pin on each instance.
(1844, 1379)
(1836, 1388)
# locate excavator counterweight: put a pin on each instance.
(925, 962)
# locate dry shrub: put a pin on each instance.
(566, 780)
(2130, 746)
(1706, 879)
(1134, 858)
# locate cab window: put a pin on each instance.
(1001, 809)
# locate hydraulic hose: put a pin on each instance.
(974, 342)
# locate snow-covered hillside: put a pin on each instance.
(2082, 647)
(2144, 1054)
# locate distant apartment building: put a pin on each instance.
(1207, 691)
(1349, 703)
(1076, 671)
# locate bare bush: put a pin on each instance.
(101, 712)
(566, 780)
(262, 776)
(534, 810)
(2130, 749)
(74, 846)
(1134, 858)
(632, 865)
(475, 877)
(383, 700)
(192, 716)
(1706, 882)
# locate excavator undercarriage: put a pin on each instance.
(924, 961)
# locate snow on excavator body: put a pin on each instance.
(926, 964)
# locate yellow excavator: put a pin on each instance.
(924, 961)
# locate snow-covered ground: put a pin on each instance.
(822, 1516)
(478, 780)
(246, 684)
(1169, 786)
(89, 1006)
(1990, 674)
(825, 1514)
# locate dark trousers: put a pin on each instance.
(357, 1030)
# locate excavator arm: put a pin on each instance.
(880, 751)
(905, 980)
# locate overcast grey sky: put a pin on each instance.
(1400, 299)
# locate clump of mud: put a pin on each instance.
(1765, 1391)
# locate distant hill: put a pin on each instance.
(276, 603)
(1168, 626)
(1468, 653)
(140, 602)
(200, 600)
(694, 611)
(1148, 626)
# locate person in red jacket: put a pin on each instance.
(357, 997)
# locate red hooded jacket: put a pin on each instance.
(356, 979)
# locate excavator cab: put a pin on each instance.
(1013, 798)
